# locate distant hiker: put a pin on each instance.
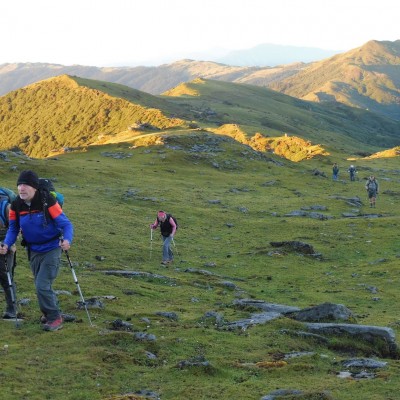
(352, 171)
(46, 231)
(372, 190)
(8, 260)
(335, 172)
(168, 227)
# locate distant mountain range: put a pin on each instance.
(366, 77)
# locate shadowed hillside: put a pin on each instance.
(367, 77)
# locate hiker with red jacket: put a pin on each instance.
(46, 231)
(168, 228)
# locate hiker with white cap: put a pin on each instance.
(352, 171)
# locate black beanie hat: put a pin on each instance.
(28, 178)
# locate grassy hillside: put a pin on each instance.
(231, 202)
(66, 112)
(261, 110)
(366, 77)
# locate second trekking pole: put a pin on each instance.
(77, 285)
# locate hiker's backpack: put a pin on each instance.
(371, 185)
(47, 186)
(7, 196)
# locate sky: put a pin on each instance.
(152, 32)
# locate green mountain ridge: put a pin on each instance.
(261, 110)
(65, 112)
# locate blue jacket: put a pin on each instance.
(41, 226)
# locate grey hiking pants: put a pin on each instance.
(45, 268)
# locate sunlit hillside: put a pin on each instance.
(394, 152)
(290, 147)
(366, 77)
(62, 112)
(270, 113)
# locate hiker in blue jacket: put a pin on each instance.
(335, 172)
(46, 231)
(352, 171)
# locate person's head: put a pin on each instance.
(162, 216)
(27, 184)
(372, 177)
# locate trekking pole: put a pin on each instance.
(11, 288)
(77, 285)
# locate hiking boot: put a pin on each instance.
(9, 315)
(54, 325)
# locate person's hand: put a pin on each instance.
(3, 248)
(65, 245)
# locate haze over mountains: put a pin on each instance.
(366, 77)
(271, 55)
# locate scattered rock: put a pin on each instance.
(324, 312)
(167, 314)
(296, 246)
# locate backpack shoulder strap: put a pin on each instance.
(3, 212)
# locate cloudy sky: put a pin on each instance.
(152, 32)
